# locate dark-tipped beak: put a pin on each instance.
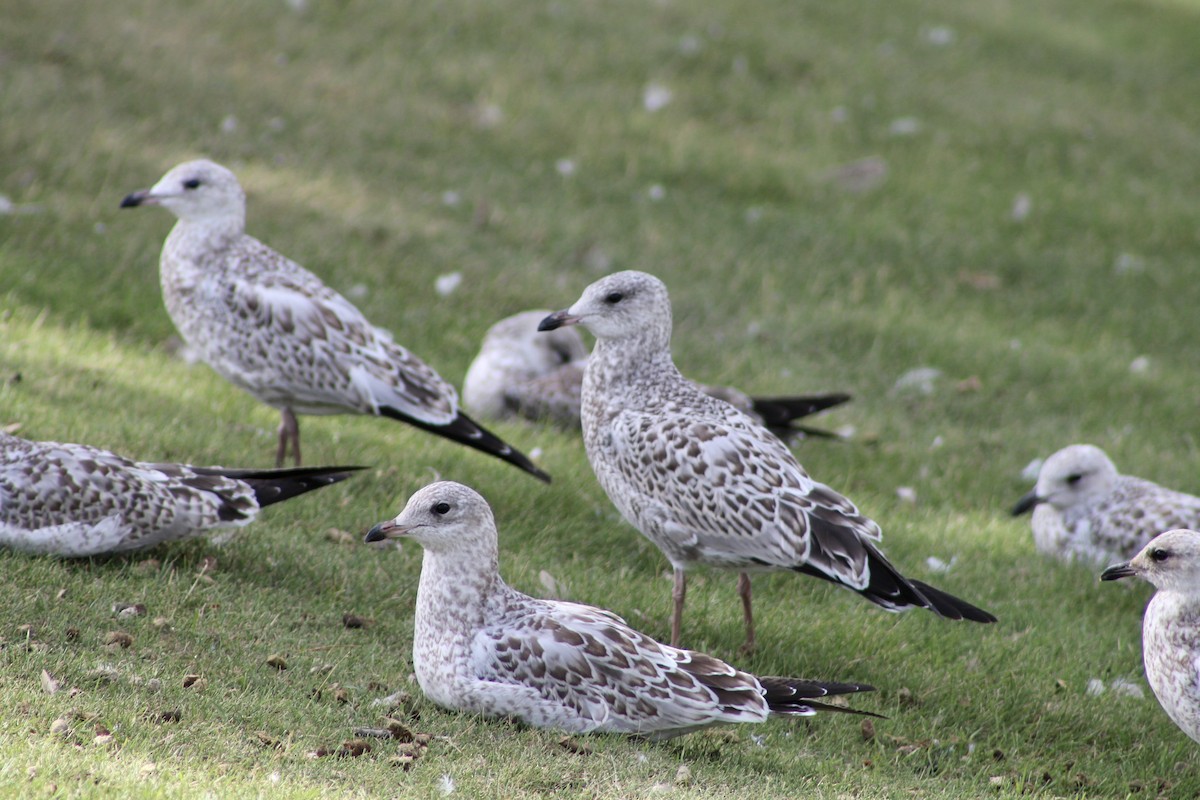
(1026, 503)
(557, 320)
(142, 198)
(386, 530)
(1118, 571)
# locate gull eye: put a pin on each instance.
(613, 298)
(441, 508)
(1159, 554)
(191, 183)
(1074, 478)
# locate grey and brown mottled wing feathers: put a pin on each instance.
(75, 500)
(742, 496)
(591, 662)
(721, 491)
(554, 397)
(301, 341)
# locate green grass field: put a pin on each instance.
(836, 193)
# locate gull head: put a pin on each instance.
(195, 191)
(623, 305)
(442, 517)
(539, 353)
(1170, 561)
(1080, 473)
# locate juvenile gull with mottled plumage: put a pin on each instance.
(703, 481)
(483, 647)
(1083, 509)
(74, 500)
(272, 328)
(520, 372)
(1171, 626)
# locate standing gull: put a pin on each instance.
(703, 481)
(272, 328)
(520, 372)
(1083, 509)
(483, 647)
(1171, 627)
(74, 500)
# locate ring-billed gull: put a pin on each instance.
(483, 647)
(520, 372)
(74, 500)
(1171, 627)
(1084, 509)
(272, 328)
(704, 482)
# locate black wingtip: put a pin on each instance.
(276, 485)
(800, 696)
(949, 606)
(464, 430)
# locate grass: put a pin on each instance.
(369, 143)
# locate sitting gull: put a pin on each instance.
(522, 373)
(483, 647)
(705, 482)
(1171, 628)
(272, 328)
(1084, 509)
(74, 500)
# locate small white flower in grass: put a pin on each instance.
(535, 453)
(690, 44)
(447, 785)
(565, 167)
(906, 494)
(451, 198)
(299, 6)
(935, 564)
(656, 192)
(847, 431)
(1126, 688)
(656, 97)
(7, 206)
(1095, 687)
(839, 114)
(446, 284)
(754, 214)
(358, 291)
(229, 124)
(488, 115)
(937, 442)
(1140, 365)
(1129, 264)
(100, 228)
(939, 35)
(1015, 344)
(1032, 470)
(274, 777)
(905, 126)
(1022, 205)
(758, 739)
(919, 380)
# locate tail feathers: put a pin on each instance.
(464, 430)
(779, 413)
(276, 485)
(891, 590)
(798, 697)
